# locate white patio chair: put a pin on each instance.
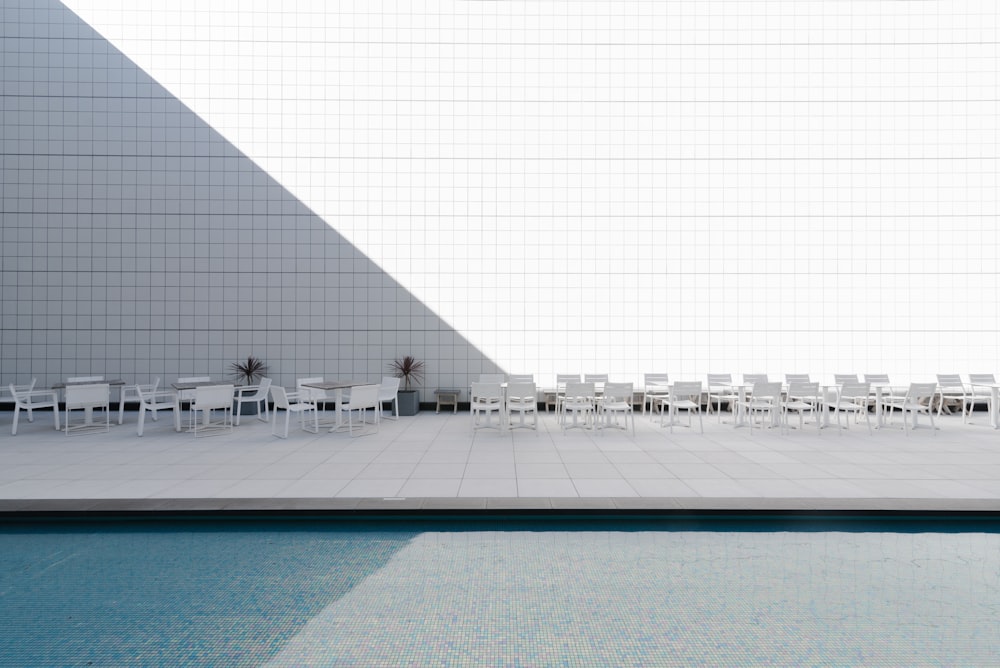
(363, 397)
(88, 398)
(841, 378)
(187, 396)
(319, 397)
(155, 401)
(28, 387)
(492, 378)
(134, 388)
(31, 400)
(388, 393)
(764, 400)
(978, 393)
(522, 398)
(578, 401)
(720, 390)
(656, 386)
(796, 378)
(802, 397)
(616, 400)
(486, 399)
(919, 398)
(598, 379)
(882, 390)
(851, 398)
(683, 396)
(950, 388)
(561, 380)
(208, 400)
(521, 378)
(253, 394)
(291, 402)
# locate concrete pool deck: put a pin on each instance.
(436, 462)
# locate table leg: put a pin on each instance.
(738, 415)
(338, 398)
(994, 405)
(879, 408)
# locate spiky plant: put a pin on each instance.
(250, 371)
(409, 369)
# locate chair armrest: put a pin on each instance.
(247, 388)
(160, 394)
(27, 395)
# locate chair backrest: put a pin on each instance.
(580, 390)
(486, 393)
(719, 379)
(279, 397)
(688, 389)
(841, 378)
(763, 389)
(214, 396)
(651, 380)
(618, 392)
(877, 378)
(19, 394)
(754, 378)
(310, 392)
(262, 389)
(796, 378)
(521, 378)
(84, 396)
(84, 379)
(522, 393)
(920, 391)
(15, 390)
(983, 378)
(491, 378)
(855, 390)
(389, 386)
(188, 395)
(595, 377)
(363, 396)
(147, 396)
(950, 380)
(803, 390)
(563, 378)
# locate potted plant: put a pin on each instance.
(248, 372)
(410, 370)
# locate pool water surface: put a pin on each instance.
(499, 592)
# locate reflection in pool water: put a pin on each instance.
(498, 592)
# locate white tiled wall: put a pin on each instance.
(753, 185)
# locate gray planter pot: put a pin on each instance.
(409, 402)
(245, 409)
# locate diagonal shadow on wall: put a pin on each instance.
(138, 242)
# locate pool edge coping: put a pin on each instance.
(13, 508)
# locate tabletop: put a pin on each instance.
(335, 384)
(199, 383)
(64, 384)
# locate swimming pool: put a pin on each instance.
(500, 591)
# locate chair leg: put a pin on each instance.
(13, 427)
(142, 420)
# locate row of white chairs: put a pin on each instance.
(951, 387)
(580, 404)
(89, 394)
(579, 401)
